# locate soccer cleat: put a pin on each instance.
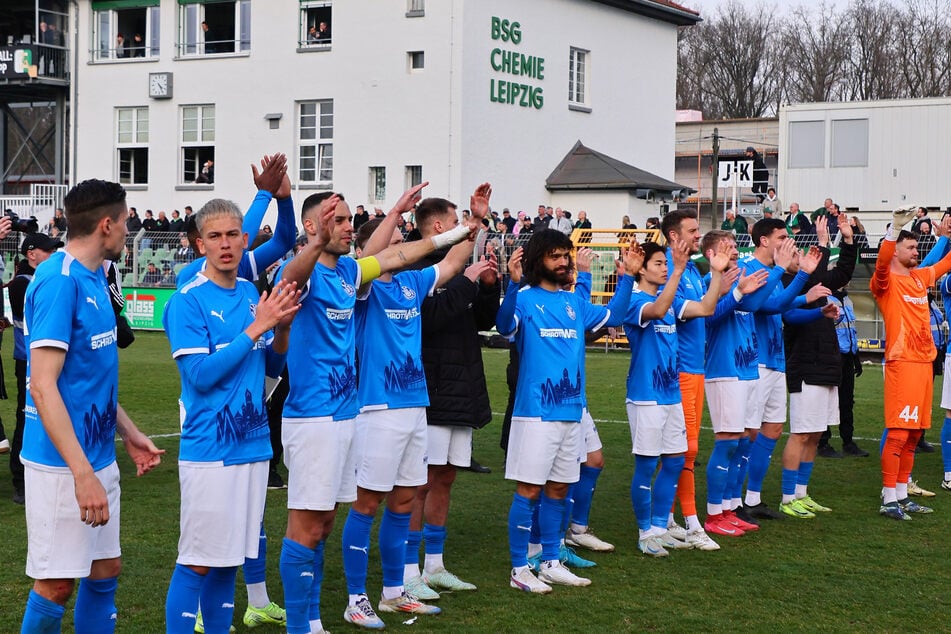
(763, 512)
(442, 579)
(796, 509)
(744, 514)
(945, 484)
(568, 556)
(813, 506)
(914, 489)
(407, 603)
(652, 546)
(827, 451)
(362, 615)
(677, 531)
(4, 446)
(670, 542)
(418, 588)
(719, 525)
(275, 481)
(893, 510)
(699, 540)
(555, 572)
(851, 449)
(910, 506)
(271, 614)
(741, 524)
(527, 582)
(588, 540)
(924, 447)
(200, 625)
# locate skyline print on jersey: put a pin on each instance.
(232, 428)
(563, 392)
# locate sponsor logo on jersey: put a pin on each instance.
(334, 314)
(558, 333)
(103, 339)
(915, 300)
(665, 329)
(401, 313)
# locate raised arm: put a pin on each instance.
(719, 260)
(268, 181)
(299, 268)
(662, 303)
(381, 237)
(886, 250)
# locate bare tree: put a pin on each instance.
(872, 70)
(815, 49)
(690, 71)
(924, 51)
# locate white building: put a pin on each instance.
(454, 92)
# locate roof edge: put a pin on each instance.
(663, 11)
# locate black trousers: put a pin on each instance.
(16, 467)
(846, 402)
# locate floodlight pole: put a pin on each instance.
(716, 176)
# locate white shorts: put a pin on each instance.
(813, 409)
(768, 402)
(590, 439)
(394, 448)
(321, 458)
(543, 451)
(449, 444)
(59, 544)
(946, 384)
(222, 510)
(657, 429)
(728, 400)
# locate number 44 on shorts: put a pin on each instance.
(908, 414)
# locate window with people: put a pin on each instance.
(214, 28)
(315, 24)
(125, 33)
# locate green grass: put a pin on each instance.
(849, 570)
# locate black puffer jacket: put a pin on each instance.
(812, 349)
(452, 349)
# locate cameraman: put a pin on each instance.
(36, 248)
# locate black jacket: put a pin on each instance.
(812, 349)
(452, 349)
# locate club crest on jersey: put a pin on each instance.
(570, 311)
(408, 293)
(347, 287)
(253, 308)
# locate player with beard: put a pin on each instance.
(548, 325)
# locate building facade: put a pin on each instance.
(367, 97)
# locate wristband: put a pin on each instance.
(451, 237)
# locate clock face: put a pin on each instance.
(159, 85)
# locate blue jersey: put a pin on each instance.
(691, 333)
(653, 375)
(223, 416)
(390, 342)
(320, 361)
(731, 342)
(549, 329)
(68, 307)
(768, 304)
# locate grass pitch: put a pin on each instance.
(849, 570)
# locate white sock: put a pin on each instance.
(947, 475)
(534, 549)
(316, 627)
(714, 509)
(410, 571)
(657, 530)
(752, 498)
(801, 491)
(693, 522)
(257, 595)
(392, 592)
(518, 570)
(644, 534)
(433, 563)
(577, 529)
(671, 520)
(353, 598)
(735, 503)
(788, 498)
(909, 479)
(889, 495)
(901, 490)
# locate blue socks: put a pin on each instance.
(665, 489)
(644, 467)
(43, 616)
(356, 546)
(413, 540)
(790, 479)
(392, 538)
(255, 570)
(535, 535)
(718, 469)
(181, 603)
(435, 537)
(520, 528)
(946, 444)
(550, 514)
(583, 492)
(217, 599)
(313, 611)
(760, 455)
(95, 611)
(805, 472)
(742, 459)
(298, 577)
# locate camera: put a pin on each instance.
(21, 225)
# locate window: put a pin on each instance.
(415, 8)
(850, 143)
(198, 144)
(414, 175)
(125, 30)
(416, 60)
(377, 192)
(315, 24)
(807, 143)
(316, 142)
(132, 145)
(577, 77)
(213, 28)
